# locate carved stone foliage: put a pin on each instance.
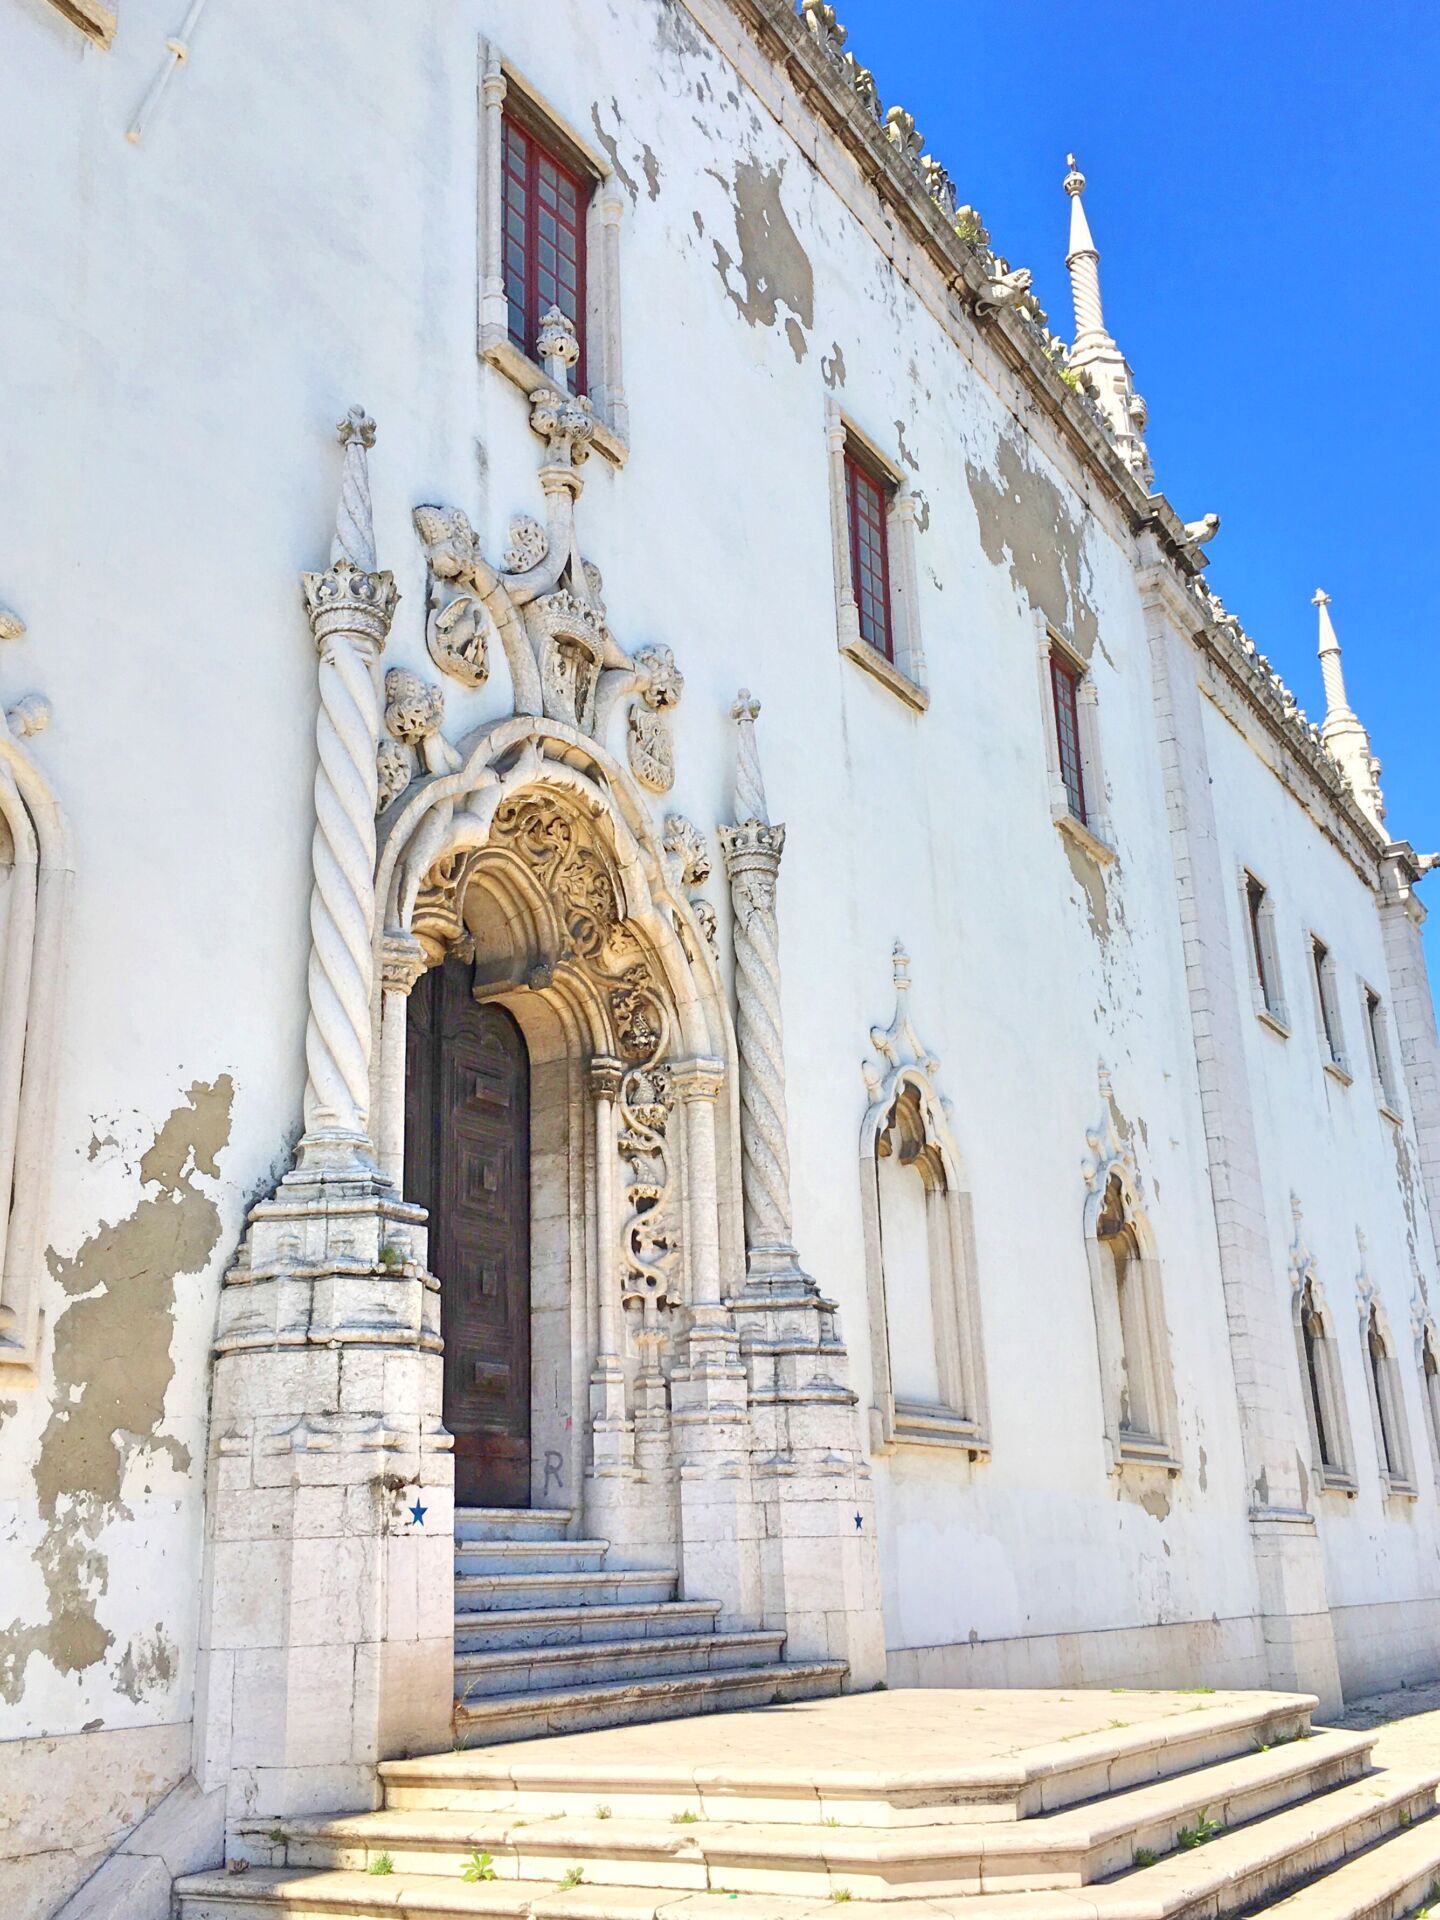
(689, 853)
(575, 875)
(545, 600)
(414, 710)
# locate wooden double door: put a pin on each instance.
(467, 1159)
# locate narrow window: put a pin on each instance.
(543, 206)
(1312, 1329)
(1065, 684)
(1332, 1033)
(1255, 900)
(1380, 1052)
(867, 505)
(1390, 1457)
(1430, 1380)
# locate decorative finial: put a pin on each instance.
(1319, 598)
(900, 966)
(1074, 179)
(354, 521)
(749, 783)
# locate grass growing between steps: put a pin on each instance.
(478, 1867)
(382, 1863)
(1203, 1829)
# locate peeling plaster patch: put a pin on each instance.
(773, 266)
(1304, 1478)
(98, 1145)
(113, 1368)
(1156, 1501)
(1092, 884)
(922, 516)
(832, 366)
(7, 1407)
(610, 144)
(699, 223)
(147, 1666)
(1204, 1462)
(652, 172)
(905, 453)
(676, 33)
(1026, 520)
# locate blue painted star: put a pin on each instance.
(418, 1513)
(859, 1521)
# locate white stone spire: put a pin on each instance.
(1095, 352)
(1343, 735)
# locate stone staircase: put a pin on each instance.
(549, 1639)
(1198, 1812)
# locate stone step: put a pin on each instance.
(727, 1783)
(504, 1592)
(523, 1716)
(1254, 1870)
(1071, 1849)
(1393, 1880)
(521, 1669)
(481, 1632)
(529, 1556)
(512, 1523)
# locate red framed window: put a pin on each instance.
(1065, 685)
(543, 205)
(866, 506)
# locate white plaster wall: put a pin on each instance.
(297, 232)
(1350, 1168)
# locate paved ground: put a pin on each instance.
(1409, 1724)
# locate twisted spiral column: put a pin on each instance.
(351, 606)
(752, 849)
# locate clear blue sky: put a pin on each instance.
(1263, 184)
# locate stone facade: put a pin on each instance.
(972, 1358)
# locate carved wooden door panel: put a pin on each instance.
(467, 1158)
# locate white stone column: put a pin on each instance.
(818, 1561)
(403, 961)
(614, 1443)
(327, 1630)
(1412, 1008)
(1290, 1570)
(351, 606)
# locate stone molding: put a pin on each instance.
(905, 1070)
(39, 853)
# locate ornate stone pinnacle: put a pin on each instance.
(1319, 598)
(749, 782)
(354, 521)
(1074, 179)
(357, 425)
(900, 966)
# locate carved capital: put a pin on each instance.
(606, 1075)
(697, 1079)
(755, 846)
(403, 960)
(347, 603)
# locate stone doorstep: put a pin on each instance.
(530, 1556)
(1054, 1850)
(557, 1710)
(532, 1667)
(592, 1626)
(511, 1523)
(498, 1592)
(1014, 1786)
(1225, 1877)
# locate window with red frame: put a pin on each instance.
(543, 204)
(1065, 684)
(867, 504)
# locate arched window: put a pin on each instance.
(928, 1374)
(1430, 1390)
(1387, 1406)
(1131, 1338)
(1331, 1460)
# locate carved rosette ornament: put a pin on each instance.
(351, 606)
(753, 848)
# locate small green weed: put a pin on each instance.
(277, 1836)
(879, 1687)
(1145, 1856)
(1119, 1723)
(830, 1821)
(391, 1257)
(841, 1893)
(685, 1819)
(1195, 1689)
(478, 1867)
(602, 1813)
(382, 1863)
(1194, 1836)
(572, 1876)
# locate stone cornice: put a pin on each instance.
(819, 83)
